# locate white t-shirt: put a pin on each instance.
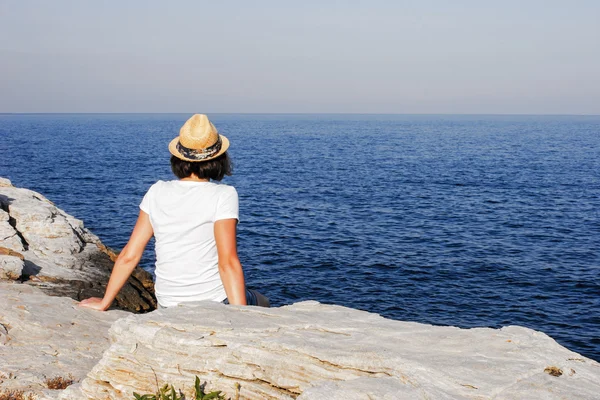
(182, 214)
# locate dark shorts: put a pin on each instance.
(251, 299)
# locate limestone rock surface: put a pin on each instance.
(8, 234)
(314, 351)
(11, 267)
(60, 256)
(45, 337)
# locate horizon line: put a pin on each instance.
(306, 113)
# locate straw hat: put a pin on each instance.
(198, 140)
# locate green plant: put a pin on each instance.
(200, 395)
(167, 392)
(163, 393)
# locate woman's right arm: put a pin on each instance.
(230, 267)
(126, 262)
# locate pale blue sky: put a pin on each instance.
(500, 57)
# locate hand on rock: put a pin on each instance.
(95, 303)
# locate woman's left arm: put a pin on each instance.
(230, 267)
(126, 262)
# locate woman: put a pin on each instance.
(194, 222)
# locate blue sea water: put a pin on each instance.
(453, 220)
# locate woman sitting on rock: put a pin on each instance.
(194, 222)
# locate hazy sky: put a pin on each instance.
(452, 56)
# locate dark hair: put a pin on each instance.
(214, 169)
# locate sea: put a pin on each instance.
(464, 220)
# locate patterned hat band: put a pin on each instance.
(200, 154)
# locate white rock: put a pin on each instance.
(47, 337)
(44, 227)
(10, 267)
(314, 351)
(8, 234)
(60, 256)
